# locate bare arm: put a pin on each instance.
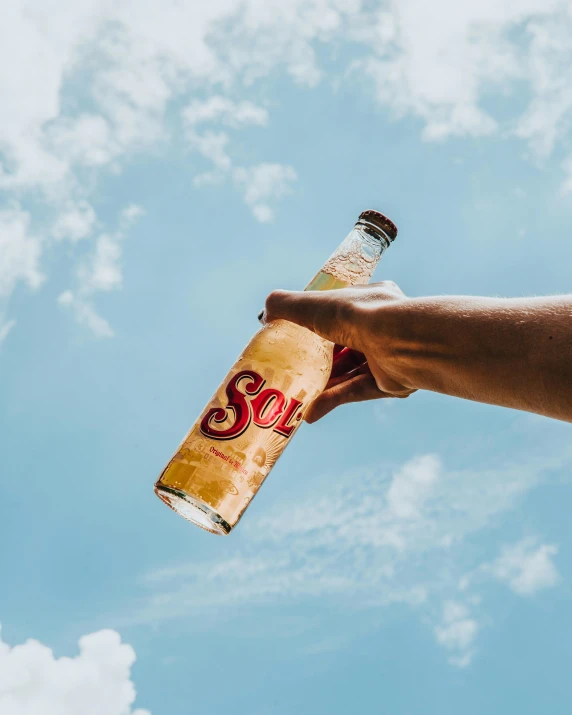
(514, 352)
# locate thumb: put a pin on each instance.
(329, 314)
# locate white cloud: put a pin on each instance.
(20, 251)
(141, 59)
(439, 61)
(213, 146)
(262, 183)
(263, 213)
(5, 328)
(85, 314)
(85, 140)
(526, 567)
(33, 93)
(95, 682)
(209, 178)
(438, 70)
(265, 181)
(567, 183)
(66, 298)
(96, 82)
(130, 214)
(224, 110)
(74, 222)
(100, 270)
(412, 485)
(457, 632)
(548, 118)
(133, 61)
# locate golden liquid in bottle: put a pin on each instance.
(231, 448)
(325, 281)
(219, 477)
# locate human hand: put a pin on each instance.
(356, 319)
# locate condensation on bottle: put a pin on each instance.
(222, 462)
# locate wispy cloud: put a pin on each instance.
(457, 632)
(75, 221)
(226, 111)
(85, 314)
(20, 251)
(99, 271)
(263, 183)
(5, 329)
(260, 184)
(412, 486)
(367, 539)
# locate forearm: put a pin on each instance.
(511, 352)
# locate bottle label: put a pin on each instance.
(249, 402)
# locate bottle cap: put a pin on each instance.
(381, 221)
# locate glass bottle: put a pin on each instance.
(228, 453)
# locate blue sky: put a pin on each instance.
(162, 168)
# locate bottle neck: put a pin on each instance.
(354, 260)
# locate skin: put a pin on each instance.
(512, 352)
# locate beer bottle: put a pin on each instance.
(228, 453)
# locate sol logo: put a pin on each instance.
(266, 408)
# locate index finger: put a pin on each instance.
(329, 314)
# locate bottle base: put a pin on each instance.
(193, 510)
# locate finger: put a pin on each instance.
(362, 369)
(389, 385)
(345, 361)
(359, 388)
(326, 313)
(388, 290)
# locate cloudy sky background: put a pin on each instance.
(163, 166)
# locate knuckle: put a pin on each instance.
(345, 311)
(275, 295)
(347, 319)
(363, 313)
(393, 290)
(274, 299)
(402, 394)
